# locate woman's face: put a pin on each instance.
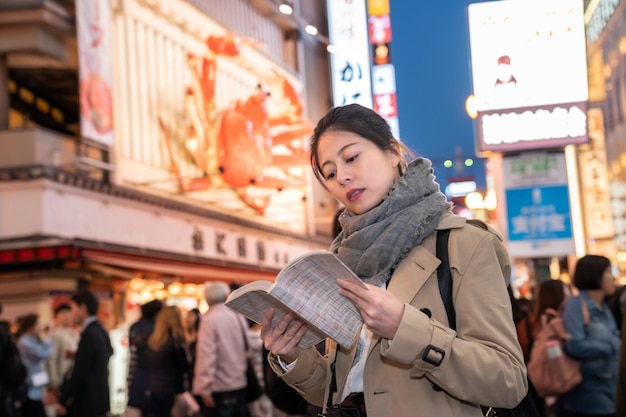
(357, 172)
(608, 282)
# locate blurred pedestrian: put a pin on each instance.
(262, 407)
(221, 361)
(35, 348)
(64, 344)
(167, 361)
(617, 304)
(13, 375)
(620, 400)
(87, 389)
(138, 370)
(551, 295)
(524, 323)
(596, 344)
(192, 324)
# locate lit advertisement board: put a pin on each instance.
(95, 74)
(529, 74)
(350, 62)
(383, 72)
(537, 205)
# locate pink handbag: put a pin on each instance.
(550, 369)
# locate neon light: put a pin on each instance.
(533, 126)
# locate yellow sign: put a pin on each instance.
(377, 7)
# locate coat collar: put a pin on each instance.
(451, 221)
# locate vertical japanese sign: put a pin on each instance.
(537, 202)
(594, 181)
(350, 63)
(383, 72)
(94, 54)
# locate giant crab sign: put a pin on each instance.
(237, 146)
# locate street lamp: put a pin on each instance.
(470, 106)
(482, 206)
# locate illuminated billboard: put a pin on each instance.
(350, 62)
(529, 74)
(96, 79)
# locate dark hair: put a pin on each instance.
(86, 298)
(150, 309)
(26, 323)
(62, 307)
(361, 121)
(196, 314)
(336, 224)
(550, 294)
(589, 271)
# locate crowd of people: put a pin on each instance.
(202, 354)
(65, 366)
(595, 341)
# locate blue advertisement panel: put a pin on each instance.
(539, 221)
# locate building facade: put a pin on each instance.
(605, 157)
(147, 146)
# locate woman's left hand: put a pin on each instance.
(381, 310)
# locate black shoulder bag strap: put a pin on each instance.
(444, 276)
(528, 407)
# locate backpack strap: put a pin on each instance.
(444, 276)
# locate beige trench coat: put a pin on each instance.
(482, 362)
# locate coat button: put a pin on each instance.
(427, 312)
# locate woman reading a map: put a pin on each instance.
(407, 360)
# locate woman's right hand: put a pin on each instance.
(283, 339)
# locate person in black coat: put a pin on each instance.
(86, 392)
(167, 361)
(138, 368)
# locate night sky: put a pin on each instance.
(430, 51)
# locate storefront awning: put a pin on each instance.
(128, 266)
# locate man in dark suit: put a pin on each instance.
(86, 393)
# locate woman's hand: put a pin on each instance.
(283, 339)
(381, 310)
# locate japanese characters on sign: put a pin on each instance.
(383, 72)
(350, 64)
(537, 204)
(529, 73)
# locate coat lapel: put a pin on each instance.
(412, 273)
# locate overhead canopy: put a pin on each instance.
(128, 266)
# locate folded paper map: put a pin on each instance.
(307, 287)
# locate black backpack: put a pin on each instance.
(13, 371)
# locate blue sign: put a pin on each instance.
(539, 221)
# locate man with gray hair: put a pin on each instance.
(220, 370)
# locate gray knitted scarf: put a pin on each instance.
(372, 244)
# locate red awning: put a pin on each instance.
(128, 266)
